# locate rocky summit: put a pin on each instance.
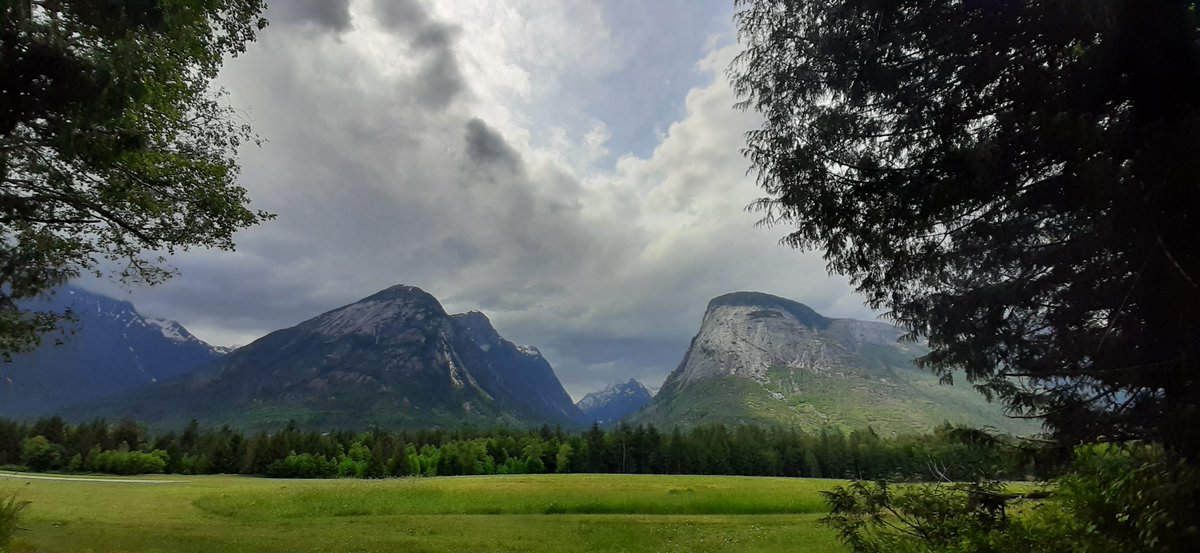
(394, 359)
(615, 402)
(763, 359)
(518, 372)
(108, 348)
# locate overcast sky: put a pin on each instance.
(569, 168)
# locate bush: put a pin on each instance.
(125, 462)
(10, 513)
(1122, 499)
(193, 464)
(882, 518)
(1114, 500)
(39, 454)
(304, 465)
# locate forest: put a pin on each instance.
(126, 447)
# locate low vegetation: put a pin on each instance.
(11, 507)
(1115, 499)
(541, 513)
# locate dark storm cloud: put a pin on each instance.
(486, 147)
(331, 15)
(441, 79)
(435, 36)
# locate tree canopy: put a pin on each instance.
(115, 150)
(1016, 180)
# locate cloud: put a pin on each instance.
(441, 80)
(327, 15)
(486, 147)
(419, 148)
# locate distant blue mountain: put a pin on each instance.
(614, 402)
(108, 350)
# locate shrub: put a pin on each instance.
(125, 462)
(1135, 498)
(876, 517)
(1115, 499)
(10, 513)
(304, 465)
(193, 464)
(39, 454)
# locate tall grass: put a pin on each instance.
(522, 495)
(11, 507)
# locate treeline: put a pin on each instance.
(126, 448)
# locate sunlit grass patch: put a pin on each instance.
(578, 494)
(542, 513)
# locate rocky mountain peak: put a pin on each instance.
(395, 357)
(743, 334)
(764, 359)
(402, 293)
(479, 329)
(758, 304)
(615, 402)
(385, 313)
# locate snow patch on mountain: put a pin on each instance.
(615, 401)
(171, 330)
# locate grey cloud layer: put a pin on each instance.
(328, 15)
(383, 169)
(440, 81)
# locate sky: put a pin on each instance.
(570, 168)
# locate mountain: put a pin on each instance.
(518, 371)
(760, 358)
(615, 402)
(394, 359)
(107, 350)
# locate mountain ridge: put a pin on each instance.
(763, 359)
(109, 349)
(614, 402)
(394, 358)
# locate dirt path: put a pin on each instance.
(22, 476)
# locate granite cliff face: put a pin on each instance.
(107, 350)
(394, 359)
(764, 359)
(746, 334)
(614, 402)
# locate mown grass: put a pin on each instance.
(508, 513)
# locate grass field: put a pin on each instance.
(567, 513)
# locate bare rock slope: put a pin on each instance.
(763, 359)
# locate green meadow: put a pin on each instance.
(550, 513)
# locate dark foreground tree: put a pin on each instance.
(113, 146)
(1017, 180)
